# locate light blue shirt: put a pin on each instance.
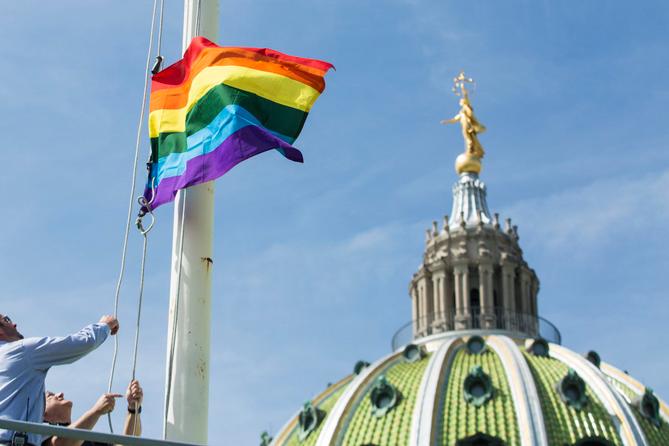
(23, 367)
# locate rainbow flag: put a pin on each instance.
(219, 106)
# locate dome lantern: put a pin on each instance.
(473, 275)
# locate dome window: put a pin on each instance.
(413, 353)
(649, 406)
(539, 348)
(384, 396)
(477, 386)
(594, 358)
(265, 439)
(480, 439)
(572, 390)
(308, 420)
(357, 368)
(475, 345)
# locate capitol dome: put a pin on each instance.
(477, 365)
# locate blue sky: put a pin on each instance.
(312, 261)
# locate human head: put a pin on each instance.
(8, 331)
(57, 409)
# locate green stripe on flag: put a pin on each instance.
(275, 117)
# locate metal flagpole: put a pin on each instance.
(189, 326)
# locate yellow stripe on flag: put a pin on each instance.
(276, 88)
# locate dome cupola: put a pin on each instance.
(473, 275)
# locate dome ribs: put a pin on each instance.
(564, 424)
(496, 417)
(325, 401)
(655, 436)
(394, 427)
(633, 385)
(523, 391)
(628, 428)
(424, 428)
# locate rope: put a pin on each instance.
(130, 204)
(144, 232)
(175, 316)
(157, 66)
(160, 27)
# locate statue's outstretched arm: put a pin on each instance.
(453, 120)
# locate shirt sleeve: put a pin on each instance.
(46, 352)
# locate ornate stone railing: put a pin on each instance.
(499, 319)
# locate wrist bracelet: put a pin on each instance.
(133, 411)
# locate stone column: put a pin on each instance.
(509, 295)
(485, 292)
(534, 291)
(414, 310)
(429, 300)
(439, 301)
(524, 291)
(461, 296)
(466, 292)
(422, 316)
(449, 312)
(526, 325)
(425, 289)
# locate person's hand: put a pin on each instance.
(105, 403)
(134, 395)
(111, 321)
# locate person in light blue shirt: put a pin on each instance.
(24, 363)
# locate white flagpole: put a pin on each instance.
(188, 344)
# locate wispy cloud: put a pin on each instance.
(594, 214)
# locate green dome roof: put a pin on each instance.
(489, 390)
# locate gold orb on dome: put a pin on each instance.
(466, 162)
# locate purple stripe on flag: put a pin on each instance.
(241, 145)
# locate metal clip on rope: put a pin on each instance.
(157, 65)
(145, 210)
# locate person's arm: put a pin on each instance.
(104, 405)
(47, 352)
(133, 420)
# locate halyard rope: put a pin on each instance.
(144, 232)
(132, 197)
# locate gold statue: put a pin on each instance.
(471, 127)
